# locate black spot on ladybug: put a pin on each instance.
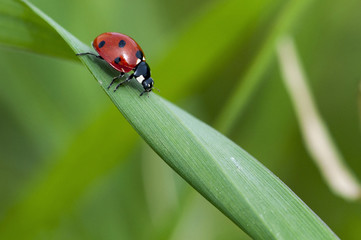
(139, 55)
(121, 43)
(101, 44)
(117, 60)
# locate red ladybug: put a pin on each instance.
(123, 54)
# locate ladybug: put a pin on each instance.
(123, 54)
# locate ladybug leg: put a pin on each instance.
(141, 94)
(145, 91)
(126, 80)
(116, 78)
(89, 53)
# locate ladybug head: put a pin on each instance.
(148, 84)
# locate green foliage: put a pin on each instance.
(21, 28)
(79, 188)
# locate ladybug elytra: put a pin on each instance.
(123, 54)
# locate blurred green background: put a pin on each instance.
(55, 118)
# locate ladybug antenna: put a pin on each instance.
(156, 89)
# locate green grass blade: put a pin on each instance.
(15, 31)
(252, 78)
(231, 179)
(359, 102)
(199, 49)
(59, 186)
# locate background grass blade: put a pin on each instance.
(316, 135)
(359, 101)
(252, 78)
(206, 43)
(58, 186)
(225, 174)
(41, 39)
